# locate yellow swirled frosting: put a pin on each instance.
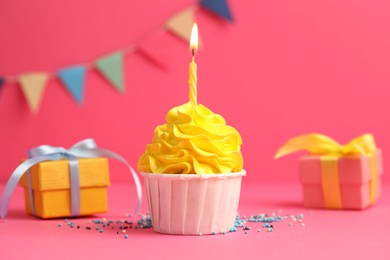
(194, 140)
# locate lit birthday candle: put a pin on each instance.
(192, 79)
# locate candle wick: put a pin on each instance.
(193, 52)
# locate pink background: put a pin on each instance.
(282, 69)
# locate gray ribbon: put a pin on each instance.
(86, 148)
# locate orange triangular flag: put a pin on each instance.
(33, 85)
(181, 23)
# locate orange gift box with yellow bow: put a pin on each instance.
(337, 176)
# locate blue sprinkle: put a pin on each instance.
(126, 236)
(224, 233)
(270, 229)
(214, 233)
(97, 228)
(101, 230)
(233, 229)
(300, 216)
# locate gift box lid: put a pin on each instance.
(352, 170)
(54, 175)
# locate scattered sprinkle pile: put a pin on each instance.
(268, 221)
(122, 226)
(119, 226)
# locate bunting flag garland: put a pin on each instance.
(2, 81)
(181, 23)
(111, 66)
(73, 79)
(33, 86)
(152, 49)
(219, 7)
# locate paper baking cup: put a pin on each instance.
(190, 204)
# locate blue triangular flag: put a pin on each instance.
(219, 7)
(73, 79)
(2, 81)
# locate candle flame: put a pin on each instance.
(194, 38)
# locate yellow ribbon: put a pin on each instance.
(330, 150)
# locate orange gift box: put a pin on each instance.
(50, 185)
(336, 176)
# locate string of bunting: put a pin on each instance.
(110, 66)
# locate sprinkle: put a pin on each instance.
(200, 233)
(258, 230)
(59, 225)
(78, 227)
(300, 221)
(223, 233)
(246, 232)
(233, 229)
(300, 216)
(214, 233)
(97, 228)
(101, 231)
(303, 224)
(66, 220)
(126, 236)
(290, 224)
(123, 231)
(104, 219)
(270, 229)
(89, 228)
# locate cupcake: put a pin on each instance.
(192, 172)
(193, 168)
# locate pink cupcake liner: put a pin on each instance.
(190, 204)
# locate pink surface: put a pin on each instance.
(327, 234)
(282, 69)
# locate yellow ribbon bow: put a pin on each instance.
(330, 150)
(323, 145)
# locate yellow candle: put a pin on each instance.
(192, 79)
